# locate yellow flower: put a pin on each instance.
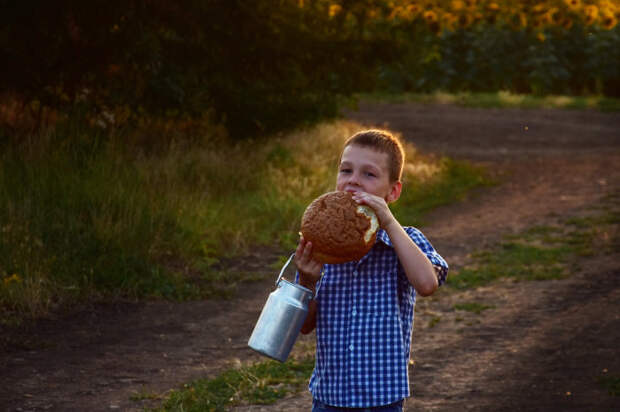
(519, 20)
(591, 14)
(551, 16)
(334, 9)
(573, 4)
(591, 10)
(493, 6)
(608, 20)
(541, 36)
(413, 10)
(606, 4)
(396, 12)
(457, 5)
(448, 20)
(13, 278)
(567, 23)
(430, 16)
(464, 20)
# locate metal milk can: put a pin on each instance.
(281, 320)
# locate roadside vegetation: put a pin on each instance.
(501, 99)
(543, 252)
(260, 383)
(85, 218)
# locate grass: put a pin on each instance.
(473, 307)
(611, 383)
(434, 321)
(260, 383)
(84, 217)
(502, 99)
(543, 252)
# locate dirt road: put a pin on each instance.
(544, 345)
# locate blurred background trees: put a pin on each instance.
(264, 66)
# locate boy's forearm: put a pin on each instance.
(310, 322)
(418, 268)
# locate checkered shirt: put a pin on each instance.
(364, 324)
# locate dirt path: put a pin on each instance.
(542, 347)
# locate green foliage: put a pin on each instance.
(512, 260)
(261, 383)
(83, 217)
(474, 307)
(261, 66)
(492, 57)
(611, 383)
(542, 252)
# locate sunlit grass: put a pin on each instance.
(261, 383)
(83, 217)
(542, 252)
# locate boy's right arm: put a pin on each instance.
(309, 274)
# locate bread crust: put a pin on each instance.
(337, 226)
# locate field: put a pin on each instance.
(499, 342)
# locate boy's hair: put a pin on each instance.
(384, 142)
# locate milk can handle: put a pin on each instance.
(284, 268)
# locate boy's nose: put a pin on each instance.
(354, 179)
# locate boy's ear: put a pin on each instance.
(395, 191)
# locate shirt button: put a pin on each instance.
(351, 347)
(355, 273)
(354, 312)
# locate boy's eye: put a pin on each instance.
(345, 170)
(370, 174)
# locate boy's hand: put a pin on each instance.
(309, 269)
(379, 205)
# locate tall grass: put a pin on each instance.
(83, 217)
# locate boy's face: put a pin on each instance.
(364, 169)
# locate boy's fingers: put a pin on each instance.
(308, 250)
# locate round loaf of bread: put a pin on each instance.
(340, 229)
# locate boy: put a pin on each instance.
(363, 311)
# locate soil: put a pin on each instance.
(544, 345)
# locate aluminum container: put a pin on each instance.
(281, 319)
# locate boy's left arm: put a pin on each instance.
(417, 266)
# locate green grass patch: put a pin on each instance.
(542, 252)
(84, 217)
(512, 260)
(434, 321)
(501, 99)
(611, 383)
(474, 307)
(261, 383)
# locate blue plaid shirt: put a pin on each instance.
(364, 324)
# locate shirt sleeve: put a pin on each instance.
(438, 262)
